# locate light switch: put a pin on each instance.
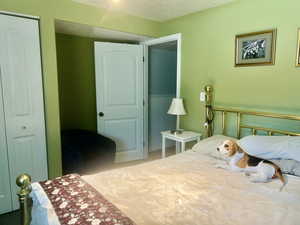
(202, 96)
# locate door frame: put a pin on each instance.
(174, 37)
(27, 16)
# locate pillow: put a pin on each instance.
(208, 146)
(272, 147)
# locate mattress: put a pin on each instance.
(187, 189)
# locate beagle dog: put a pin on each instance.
(259, 170)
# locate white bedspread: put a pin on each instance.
(186, 189)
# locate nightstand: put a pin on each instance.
(181, 139)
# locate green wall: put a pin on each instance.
(67, 10)
(208, 58)
(207, 55)
(76, 77)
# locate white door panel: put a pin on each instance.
(5, 196)
(21, 80)
(119, 85)
(125, 141)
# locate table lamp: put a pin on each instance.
(177, 108)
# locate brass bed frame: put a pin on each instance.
(210, 111)
(24, 180)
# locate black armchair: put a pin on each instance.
(86, 151)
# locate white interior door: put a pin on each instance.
(21, 79)
(119, 85)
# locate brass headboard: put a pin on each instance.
(211, 110)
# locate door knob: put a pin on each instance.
(101, 114)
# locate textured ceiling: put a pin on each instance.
(159, 10)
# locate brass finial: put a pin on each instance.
(208, 88)
(23, 180)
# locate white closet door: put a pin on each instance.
(5, 195)
(21, 78)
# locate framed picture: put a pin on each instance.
(298, 50)
(254, 49)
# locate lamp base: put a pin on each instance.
(176, 131)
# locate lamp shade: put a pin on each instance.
(176, 107)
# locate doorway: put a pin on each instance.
(78, 97)
(77, 80)
(162, 79)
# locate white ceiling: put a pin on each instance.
(159, 10)
(96, 32)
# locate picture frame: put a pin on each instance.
(256, 48)
(298, 50)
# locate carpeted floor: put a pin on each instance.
(152, 156)
(13, 218)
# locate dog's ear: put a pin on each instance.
(233, 148)
(237, 147)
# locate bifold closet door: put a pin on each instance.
(22, 88)
(5, 195)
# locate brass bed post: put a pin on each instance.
(209, 114)
(238, 125)
(223, 122)
(24, 182)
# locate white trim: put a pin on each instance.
(161, 40)
(179, 38)
(146, 105)
(19, 15)
(169, 38)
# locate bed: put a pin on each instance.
(184, 189)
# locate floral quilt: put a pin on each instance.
(76, 202)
